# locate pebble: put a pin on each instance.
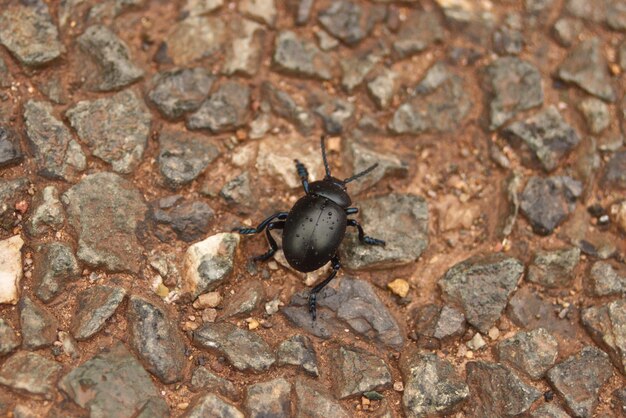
(358, 371)
(418, 32)
(194, 38)
(314, 401)
(38, 325)
(208, 300)
(295, 56)
(10, 149)
(349, 22)
(606, 280)
(186, 220)
(547, 201)
(11, 272)
(532, 353)
(399, 287)
(261, 10)
(269, 399)
(203, 379)
(95, 305)
(54, 267)
(48, 213)
(211, 405)
(225, 110)
(607, 326)
(555, 268)
(9, 340)
(615, 171)
(177, 92)
(31, 374)
(298, 351)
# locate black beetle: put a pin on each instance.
(315, 226)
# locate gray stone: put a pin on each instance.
(615, 171)
(118, 386)
(298, 351)
(355, 68)
(31, 374)
(440, 104)
(335, 112)
(607, 326)
(10, 149)
(262, 10)
(284, 105)
(326, 41)
(546, 202)
(112, 56)
(567, 29)
(211, 405)
(11, 192)
(303, 11)
(419, 31)
(481, 285)
(382, 88)
(48, 214)
(472, 20)
(57, 154)
(402, 212)
(596, 114)
(357, 371)
(275, 159)
(579, 378)
(315, 402)
(201, 7)
(238, 193)
(269, 399)
(349, 22)
(9, 340)
(244, 54)
(440, 323)
(54, 266)
(102, 206)
(245, 350)
(363, 157)
(549, 410)
(195, 38)
(114, 128)
(532, 353)
(27, 30)
(609, 12)
(188, 220)
(183, 156)
(156, 340)
(431, 385)
(225, 110)
(554, 268)
(544, 137)
(586, 67)
(353, 304)
(497, 391)
(179, 91)
(208, 263)
(508, 40)
(515, 86)
(203, 379)
(94, 306)
(244, 301)
(11, 269)
(295, 56)
(38, 326)
(606, 280)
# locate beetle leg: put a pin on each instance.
(319, 287)
(247, 231)
(352, 211)
(270, 239)
(303, 174)
(364, 238)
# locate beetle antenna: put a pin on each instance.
(326, 167)
(361, 174)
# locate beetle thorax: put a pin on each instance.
(332, 189)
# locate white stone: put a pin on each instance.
(263, 10)
(10, 269)
(276, 157)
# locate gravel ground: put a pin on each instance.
(136, 134)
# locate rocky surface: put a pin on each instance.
(269, 399)
(607, 326)
(187, 220)
(547, 201)
(48, 214)
(94, 306)
(358, 372)
(298, 351)
(38, 325)
(10, 149)
(532, 353)
(554, 268)
(606, 280)
(225, 110)
(30, 373)
(9, 340)
(178, 92)
(55, 266)
(211, 405)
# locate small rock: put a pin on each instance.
(402, 212)
(269, 399)
(261, 10)
(567, 29)
(211, 405)
(115, 128)
(276, 160)
(546, 202)
(201, 7)
(596, 114)
(609, 12)
(298, 351)
(441, 323)
(118, 386)
(326, 41)
(432, 387)
(9, 340)
(355, 68)
(48, 214)
(195, 38)
(31, 374)
(607, 326)
(476, 343)
(382, 88)
(303, 11)
(581, 394)
(208, 263)
(101, 206)
(112, 56)
(515, 86)
(335, 113)
(586, 67)
(244, 301)
(349, 22)
(208, 300)
(27, 30)
(54, 266)
(284, 106)
(245, 350)
(177, 92)
(295, 56)
(440, 104)
(482, 286)
(203, 379)
(315, 402)
(225, 110)
(615, 171)
(399, 287)
(509, 39)
(11, 272)
(238, 193)
(497, 391)
(554, 268)
(531, 352)
(94, 306)
(189, 220)
(606, 280)
(549, 411)
(417, 33)
(244, 55)
(544, 137)
(38, 326)
(358, 371)
(57, 154)
(10, 149)
(13, 193)
(364, 157)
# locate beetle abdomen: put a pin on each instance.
(313, 232)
